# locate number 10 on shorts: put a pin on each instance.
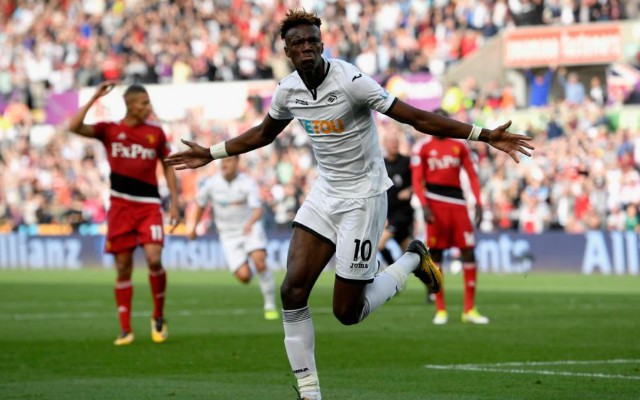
(363, 249)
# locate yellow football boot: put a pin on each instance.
(271, 315)
(159, 332)
(474, 317)
(124, 339)
(441, 318)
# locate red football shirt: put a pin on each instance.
(436, 164)
(133, 153)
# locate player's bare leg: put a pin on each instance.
(267, 284)
(124, 293)
(158, 283)
(308, 255)
(243, 273)
(470, 313)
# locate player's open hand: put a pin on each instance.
(478, 215)
(195, 157)
(104, 88)
(174, 218)
(510, 143)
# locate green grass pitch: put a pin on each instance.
(552, 336)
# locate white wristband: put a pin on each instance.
(475, 132)
(218, 151)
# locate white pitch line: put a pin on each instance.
(563, 362)
(487, 368)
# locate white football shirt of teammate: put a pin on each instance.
(337, 117)
(232, 201)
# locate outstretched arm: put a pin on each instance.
(76, 124)
(437, 125)
(256, 137)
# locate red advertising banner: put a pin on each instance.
(568, 45)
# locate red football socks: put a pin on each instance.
(158, 281)
(124, 292)
(440, 305)
(469, 271)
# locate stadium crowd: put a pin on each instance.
(584, 174)
(58, 45)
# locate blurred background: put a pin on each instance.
(566, 72)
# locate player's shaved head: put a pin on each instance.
(138, 103)
(134, 89)
(296, 18)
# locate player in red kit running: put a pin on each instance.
(436, 163)
(134, 148)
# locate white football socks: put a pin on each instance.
(383, 287)
(268, 289)
(386, 284)
(401, 269)
(299, 341)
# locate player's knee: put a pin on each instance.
(243, 274)
(260, 266)
(154, 264)
(346, 315)
(124, 270)
(293, 295)
(468, 256)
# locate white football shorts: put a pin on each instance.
(354, 226)
(238, 246)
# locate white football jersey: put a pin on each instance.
(337, 117)
(232, 201)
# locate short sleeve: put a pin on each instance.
(278, 109)
(365, 90)
(100, 130)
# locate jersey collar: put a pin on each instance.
(314, 91)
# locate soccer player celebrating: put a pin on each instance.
(134, 148)
(237, 213)
(345, 211)
(436, 164)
